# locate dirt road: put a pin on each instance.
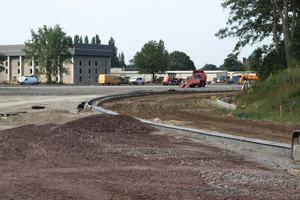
(61, 154)
(173, 109)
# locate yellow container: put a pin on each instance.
(213, 98)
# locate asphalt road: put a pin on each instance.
(62, 90)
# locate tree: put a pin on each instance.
(98, 41)
(93, 40)
(51, 47)
(152, 59)
(114, 59)
(80, 40)
(209, 67)
(231, 63)
(76, 39)
(253, 21)
(86, 40)
(2, 59)
(181, 61)
(121, 59)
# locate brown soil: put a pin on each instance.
(118, 157)
(61, 154)
(173, 109)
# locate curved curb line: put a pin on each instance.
(214, 136)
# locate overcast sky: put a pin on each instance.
(184, 25)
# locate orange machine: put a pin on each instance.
(245, 77)
(198, 78)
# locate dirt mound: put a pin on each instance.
(119, 157)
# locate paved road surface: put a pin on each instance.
(62, 90)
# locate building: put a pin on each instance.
(89, 60)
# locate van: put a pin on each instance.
(29, 81)
(108, 79)
(137, 80)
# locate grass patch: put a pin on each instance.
(192, 105)
(264, 98)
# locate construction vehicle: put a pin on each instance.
(43, 73)
(227, 81)
(295, 154)
(244, 77)
(198, 78)
(124, 78)
(169, 80)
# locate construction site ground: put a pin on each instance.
(57, 153)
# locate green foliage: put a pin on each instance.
(209, 67)
(93, 40)
(114, 58)
(51, 47)
(121, 59)
(231, 63)
(181, 61)
(191, 105)
(152, 59)
(265, 97)
(76, 39)
(86, 40)
(2, 58)
(80, 40)
(98, 41)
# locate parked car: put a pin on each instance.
(137, 81)
(29, 81)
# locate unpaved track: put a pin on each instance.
(173, 109)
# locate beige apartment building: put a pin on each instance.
(89, 60)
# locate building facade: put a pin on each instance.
(89, 60)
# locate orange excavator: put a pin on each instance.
(244, 77)
(198, 78)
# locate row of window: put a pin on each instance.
(90, 71)
(90, 79)
(36, 63)
(36, 70)
(90, 63)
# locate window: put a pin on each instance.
(96, 71)
(80, 71)
(96, 79)
(6, 63)
(80, 78)
(90, 79)
(80, 63)
(36, 70)
(18, 71)
(96, 63)
(89, 63)
(30, 63)
(30, 71)
(18, 63)
(36, 63)
(6, 71)
(105, 71)
(89, 71)
(56, 78)
(105, 63)
(15, 78)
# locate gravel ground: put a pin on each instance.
(118, 157)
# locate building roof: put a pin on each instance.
(79, 50)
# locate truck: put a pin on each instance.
(169, 80)
(198, 78)
(108, 79)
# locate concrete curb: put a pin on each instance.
(236, 141)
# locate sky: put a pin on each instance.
(187, 26)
